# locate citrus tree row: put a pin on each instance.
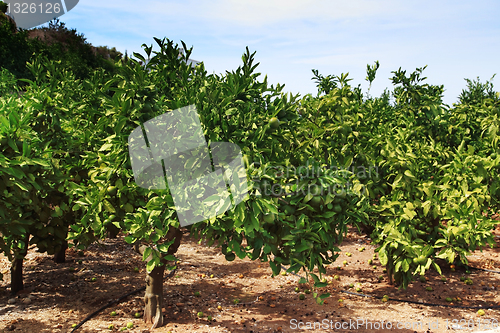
(417, 175)
(79, 129)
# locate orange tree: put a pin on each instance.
(297, 224)
(299, 205)
(432, 178)
(313, 165)
(36, 121)
(37, 139)
(29, 182)
(438, 174)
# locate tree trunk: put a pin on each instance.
(16, 275)
(60, 256)
(112, 230)
(16, 269)
(153, 297)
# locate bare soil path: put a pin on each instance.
(60, 295)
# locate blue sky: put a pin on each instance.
(456, 39)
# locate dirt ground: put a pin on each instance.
(56, 296)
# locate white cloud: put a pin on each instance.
(456, 39)
(261, 13)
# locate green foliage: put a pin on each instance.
(3, 7)
(324, 84)
(28, 181)
(409, 93)
(8, 82)
(109, 53)
(438, 184)
(370, 74)
(71, 48)
(58, 44)
(477, 93)
(15, 49)
(417, 175)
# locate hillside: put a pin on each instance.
(56, 42)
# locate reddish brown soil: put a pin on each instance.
(64, 294)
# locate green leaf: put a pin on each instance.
(163, 248)
(315, 277)
(428, 250)
(270, 207)
(15, 172)
(299, 264)
(108, 206)
(239, 214)
(383, 257)
(41, 162)
(405, 265)
(106, 146)
(256, 253)
(450, 255)
(151, 265)
(170, 257)
(140, 57)
(320, 284)
(155, 202)
(78, 229)
(275, 268)
(426, 206)
(255, 222)
(440, 243)
(409, 213)
(428, 263)
(397, 180)
(436, 267)
(146, 253)
(12, 145)
(26, 149)
(409, 174)
(21, 185)
(256, 209)
(231, 111)
(397, 266)
(129, 239)
(303, 246)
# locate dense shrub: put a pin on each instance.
(57, 43)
